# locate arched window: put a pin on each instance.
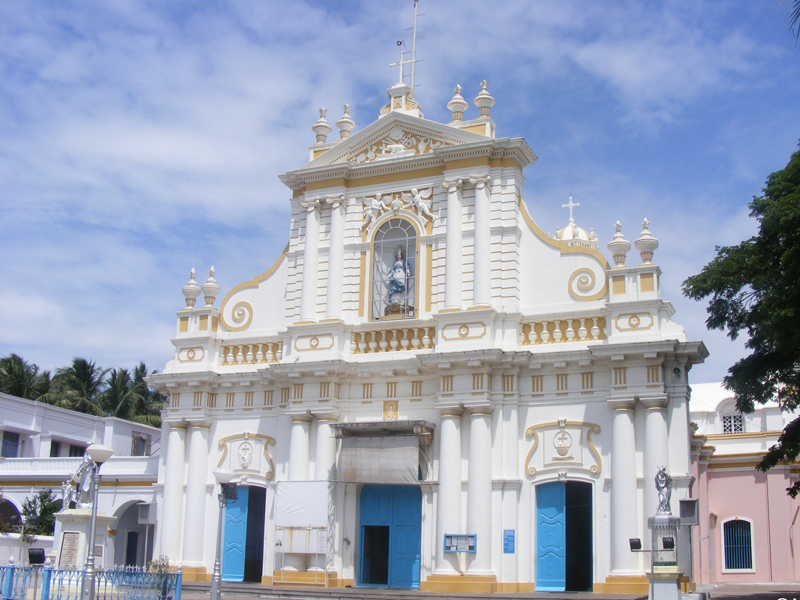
(737, 545)
(394, 271)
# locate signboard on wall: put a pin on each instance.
(460, 543)
(508, 541)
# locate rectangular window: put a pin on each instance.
(229, 399)
(268, 397)
(324, 389)
(416, 389)
(732, 423)
(366, 391)
(285, 395)
(76, 451)
(620, 375)
(55, 449)
(391, 391)
(561, 383)
(447, 383)
(198, 399)
(10, 445)
(587, 381)
(653, 373)
(508, 383)
(298, 391)
(140, 444)
(738, 545)
(537, 383)
(248, 399)
(176, 400)
(477, 381)
(212, 400)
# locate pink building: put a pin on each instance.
(748, 524)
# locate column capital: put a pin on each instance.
(453, 186)
(198, 422)
(621, 403)
(335, 201)
(480, 181)
(326, 414)
(655, 402)
(301, 417)
(176, 423)
(454, 410)
(311, 205)
(480, 410)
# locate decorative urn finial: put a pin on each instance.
(321, 127)
(457, 105)
(190, 290)
(646, 244)
(619, 246)
(484, 100)
(210, 288)
(345, 123)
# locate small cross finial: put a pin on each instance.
(570, 205)
(457, 89)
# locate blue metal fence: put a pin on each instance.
(124, 583)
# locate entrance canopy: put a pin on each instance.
(383, 452)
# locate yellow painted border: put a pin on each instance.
(268, 441)
(601, 294)
(562, 246)
(249, 284)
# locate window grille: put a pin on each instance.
(732, 423)
(140, 444)
(76, 451)
(10, 444)
(738, 545)
(394, 271)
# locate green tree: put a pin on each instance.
(755, 287)
(794, 18)
(148, 411)
(78, 387)
(21, 378)
(42, 506)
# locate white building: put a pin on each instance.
(43, 445)
(452, 369)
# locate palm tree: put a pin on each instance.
(122, 396)
(21, 378)
(794, 18)
(78, 387)
(148, 411)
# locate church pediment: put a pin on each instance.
(394, 136)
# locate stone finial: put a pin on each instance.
(619, 246)
(484, 100)
(321, 127)
(190, 290)
(646, 244)
(345, 123)
(457, 105)
(210, 288)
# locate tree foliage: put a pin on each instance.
(43, 505)
(755, 287)
(21, 378)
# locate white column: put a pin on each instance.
(453, 251)
(624, 513)
(333, 301)
(196, 481)
(482, 269)
(325, 455)
(656, 449)
(448, 504)
(479, 490)
(298, 448)
(172, 511)
(308, 294)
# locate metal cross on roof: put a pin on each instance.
(570, 205)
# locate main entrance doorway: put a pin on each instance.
(390, 529)
(564, 536)
(243, 545)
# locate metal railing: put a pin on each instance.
(119, 583)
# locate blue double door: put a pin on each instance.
(564, 536)
(390, 529)
(243, 541)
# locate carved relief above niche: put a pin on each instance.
(248, 455)
(561, 445)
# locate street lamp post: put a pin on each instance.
(99, 454)
(227, 492)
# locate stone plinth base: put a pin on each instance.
(195, 573)
(461, 584)
(71, 542)
(305, 579)
(636, 584)
(666, 585)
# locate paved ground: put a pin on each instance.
(770, 591)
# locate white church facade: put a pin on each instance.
(482, 405)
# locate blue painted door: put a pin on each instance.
(395, 510)
(551, 537)
(233, 548)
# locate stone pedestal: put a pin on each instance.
(666, 583)
(71, 540)
(665, 574)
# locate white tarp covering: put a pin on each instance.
(381, 459)
(301, 504)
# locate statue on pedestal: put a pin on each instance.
(664, 488)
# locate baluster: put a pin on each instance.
(353, 347)
(582, 331)
(532, 337)
(229, 358)
(545, 332)
(426, 340)
(404, 339)
(249, 356)
(269, 355)
(383, 343)
(570, 331)
(260, 353)
(373, 342)
(595, 329)
(557, 335)
(414, 339)
(362, 342)
(278, 351)
(393, 343)
(239, 355)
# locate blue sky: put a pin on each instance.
(141, 139)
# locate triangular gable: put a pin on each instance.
(384, 138)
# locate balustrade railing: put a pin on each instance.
(556, 331)
(119, 583)
(250, 354)
(392, 340)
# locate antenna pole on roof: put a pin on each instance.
(414, 45)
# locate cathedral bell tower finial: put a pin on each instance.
(321, 127)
